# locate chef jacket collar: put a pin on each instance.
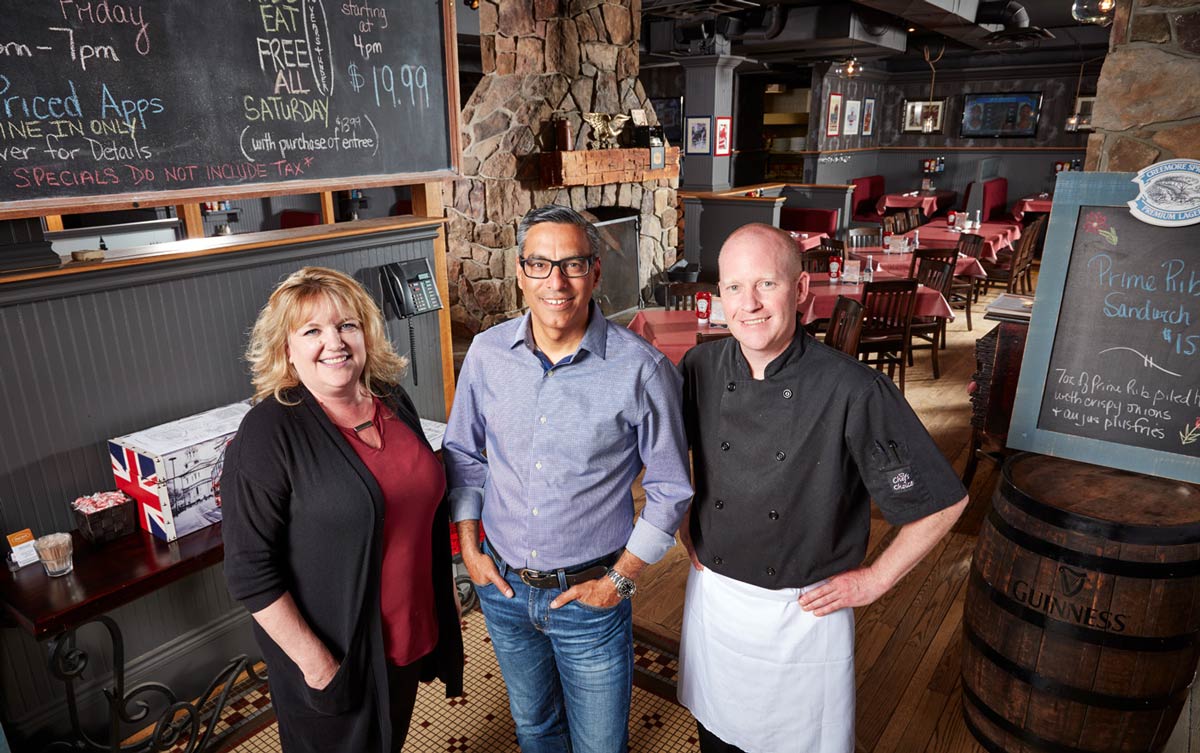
(794, 352)
(595, 337)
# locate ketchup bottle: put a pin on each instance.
(703, 306)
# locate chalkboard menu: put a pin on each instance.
(103, 98)
(1111, 373)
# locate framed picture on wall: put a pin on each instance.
(833, 116)
(723, 144)
(670, 116)
(1083, 109)
(917, 112)
(868, 117)
(698, 135)
(852, 120)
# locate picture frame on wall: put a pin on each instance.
(868, 117)
(670, 116)
(723, 139)
(916, 111)
(698, 135)
(833, 115)
(853, 120)
(1083, 109)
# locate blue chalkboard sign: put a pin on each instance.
(1111, 373)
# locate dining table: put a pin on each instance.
(807, 241)
(997, 236)
(1041, 202)
(899, 264)
(930, 202)
(674, 332)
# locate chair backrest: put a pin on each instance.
(889, 305)
(703, 336)
(970, 244)
(681, 296)
(933, 254)
(900, 219)
(889, 224)
(816, 260)
(867, 191)
(857, 237)
(914, 217)
(845, 325)
(1023, 254)
(833, 245)
(995, 198)
(936, 275)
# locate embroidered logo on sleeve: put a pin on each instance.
(902, 481)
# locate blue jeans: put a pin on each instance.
(569, 671)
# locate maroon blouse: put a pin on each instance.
(413, 483)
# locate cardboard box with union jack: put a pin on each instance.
(173, 471)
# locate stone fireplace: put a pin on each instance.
(545, 60)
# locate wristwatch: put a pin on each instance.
(625, 586)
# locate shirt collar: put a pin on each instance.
(595, 338)
(788, 358)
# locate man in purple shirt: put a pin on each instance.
(556, 413)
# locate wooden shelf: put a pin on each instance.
(597, 167)
(785, 118)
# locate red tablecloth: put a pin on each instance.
(997, 236)
(807, 244)
(1035, 203)
(930, 202)
(898, 264)
(674, 332)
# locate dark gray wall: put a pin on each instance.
(89, 357)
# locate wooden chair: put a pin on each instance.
(933, 254)
(703, 336)
(858, 237)
(681, 296)
(816, 260)
(889, 224)
(832, 245)
(1015, 273)
(964, 290)
(845, 325)
(914, 217)
(888, 306)
(936, 275)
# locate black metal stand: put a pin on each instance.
(178, 720)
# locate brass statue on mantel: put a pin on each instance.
(605, 129)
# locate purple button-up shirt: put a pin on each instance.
(546, 456)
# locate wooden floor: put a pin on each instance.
(909, 642)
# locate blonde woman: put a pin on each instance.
(335, 524)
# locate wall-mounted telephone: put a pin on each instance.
(411, 290)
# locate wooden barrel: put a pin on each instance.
(1081, 629)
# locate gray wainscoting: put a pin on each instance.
(92, 356)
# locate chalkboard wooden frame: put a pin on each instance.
(135, 200)
(1075, 190)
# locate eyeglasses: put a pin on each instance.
(572, 266)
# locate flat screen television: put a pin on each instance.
(1013, 114)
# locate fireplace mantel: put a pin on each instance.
(597, 167)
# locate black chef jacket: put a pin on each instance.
(786, 466)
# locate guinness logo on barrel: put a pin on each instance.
(1071, 581)
(1080, 614)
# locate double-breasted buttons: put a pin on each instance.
(787, 394)
(773, 515)
(725, 447)
(731, 386)
(719, 504)
(780, 456)
(770, 571)
(717, 560)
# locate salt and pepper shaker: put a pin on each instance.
(868, 274)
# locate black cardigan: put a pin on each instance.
(303, 515)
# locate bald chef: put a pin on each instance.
(791, 440)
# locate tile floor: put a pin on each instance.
(479, 722)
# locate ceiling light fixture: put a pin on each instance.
(1099, 12)
(849, 68)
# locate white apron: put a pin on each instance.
(761, 673)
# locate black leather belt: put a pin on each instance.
(550, 578)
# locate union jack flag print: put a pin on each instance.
(137, 475)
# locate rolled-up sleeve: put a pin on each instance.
(663, 448)
(463, 449)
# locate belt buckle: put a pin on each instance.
(528, 576)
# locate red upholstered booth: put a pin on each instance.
(995, 199)
(297, 218)
(867, 192)
(809, 220)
